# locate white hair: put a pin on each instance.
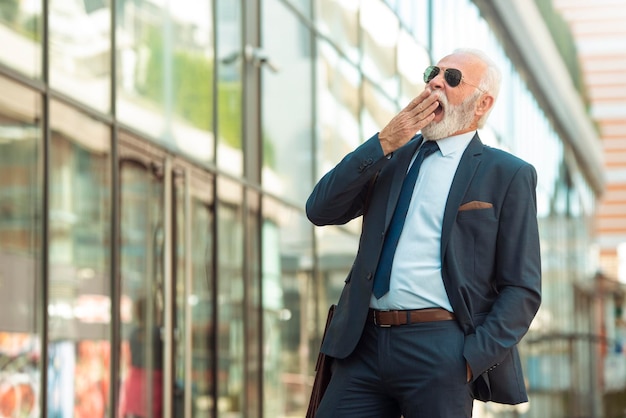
(490, 81)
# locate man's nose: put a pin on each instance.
(437, 82)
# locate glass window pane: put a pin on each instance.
(377, 110)
(412, 60)
(254, 329)
(415, 15)
(229, 86)
(338, 106)
(230, 298)
(456, 24)
(21, 193)
(202, 299)
(287, 104)
(80, 50)
(337, 246)
(195, 354)
(21, 36)
(289, 319)
(303, 6)
(379, 31)
(338, 21)
(79, 256)
(142, 285)
(166, 68)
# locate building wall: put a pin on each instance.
(601, 39)
(153, 241)
(601, 42)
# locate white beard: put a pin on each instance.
(456, 118)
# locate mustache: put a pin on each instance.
(443, 100)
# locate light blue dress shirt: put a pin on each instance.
(416, 280)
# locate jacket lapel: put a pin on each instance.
(403, 156)
(462, 179)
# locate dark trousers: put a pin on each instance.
(414, 371)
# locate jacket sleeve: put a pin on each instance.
(340, 194)
(517, 277)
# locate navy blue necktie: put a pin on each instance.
(383, 272)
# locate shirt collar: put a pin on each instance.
(455, 143)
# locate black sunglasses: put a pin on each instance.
(452, 76)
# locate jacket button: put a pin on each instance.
(369, 276)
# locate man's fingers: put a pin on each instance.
(428, 119)
(422, 117)
(418, 100)
(417, 123)
(427, 106)
(418, 117)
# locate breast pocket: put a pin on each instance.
(477, 214)
(474, 240)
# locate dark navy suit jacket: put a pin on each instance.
(490, 254)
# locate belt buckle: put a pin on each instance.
(381, 325)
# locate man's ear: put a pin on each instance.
(484, 104)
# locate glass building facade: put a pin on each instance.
(155, 156)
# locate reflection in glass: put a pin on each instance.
(337, 246)
(379, 30)
(80, 50)
(79, 253)
(303, 6)
(338, 20)
(229, 86)
(21, 36)
(230, 322)
(253, 309)
(166, 69)
(290, 341)
(377, 109)
(181, 276)
(412, 59)
(203, 301)
(469, 28)
(142, 388)
(20, 239)
(141, 289)
(414, 14)
(337, 107)
(287, 104)
(194, 318)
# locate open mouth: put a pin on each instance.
(439, 110)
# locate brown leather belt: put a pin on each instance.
(394, 318)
